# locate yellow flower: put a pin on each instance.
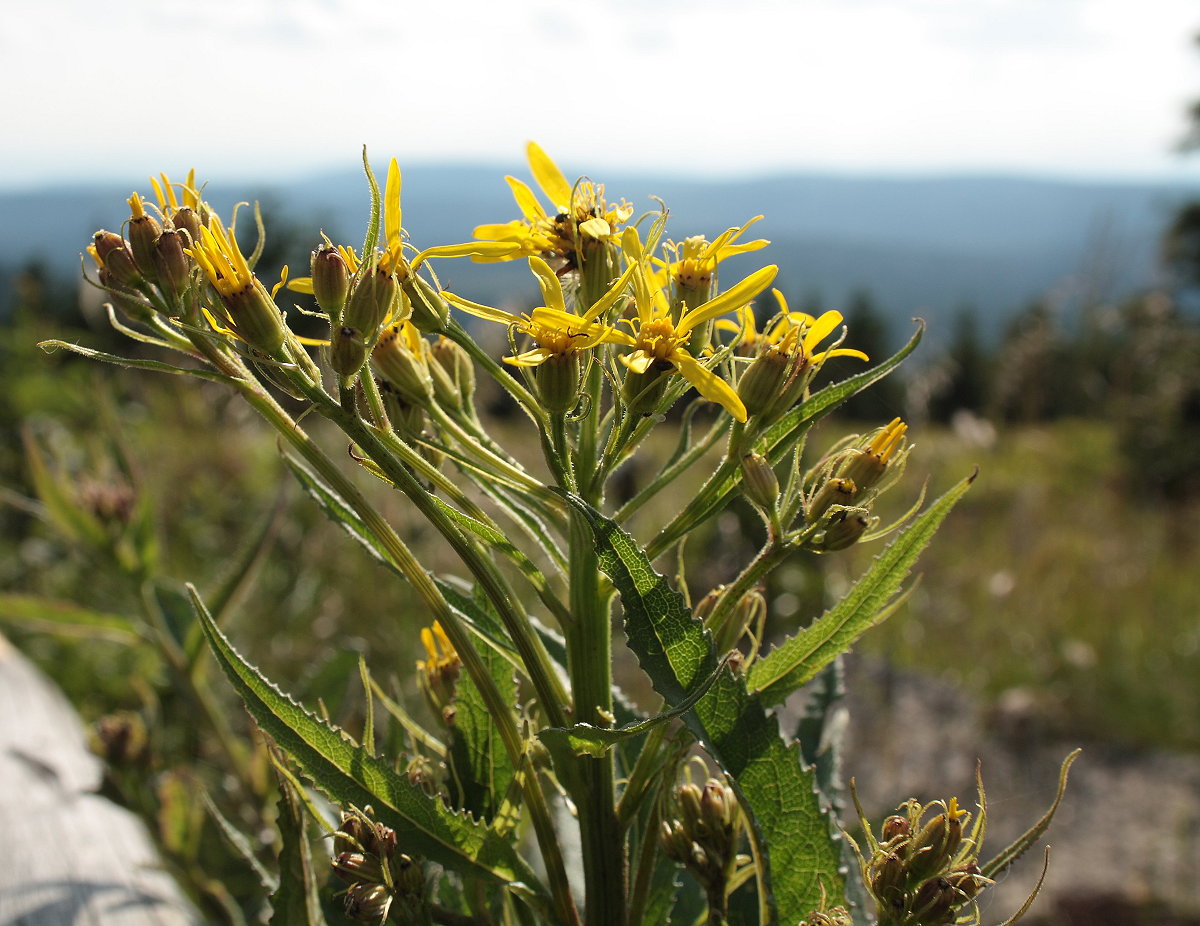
(578, 219)
(250, 310)
(790, 332)
(438, 675)
(554, 330)
(660, 341)
(696, 258)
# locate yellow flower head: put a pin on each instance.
(438, 674)
(554, 330)
(658, 340)
(579, 218)
(250, 310)
(696, 258)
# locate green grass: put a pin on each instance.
(1054, 577)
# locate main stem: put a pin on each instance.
(590, 666)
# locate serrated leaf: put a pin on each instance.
(798, 659)
(584, 739)
(351, 776)
(482, 769)
(789, 828)
(50, 615)
(297, 899)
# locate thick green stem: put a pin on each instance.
(589, 657)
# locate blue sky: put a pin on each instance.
(279, 88)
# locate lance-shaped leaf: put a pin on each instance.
(50, 615)
(482, 769)
(351, 776)
(798, 659)
(296, 901)
(791, 832)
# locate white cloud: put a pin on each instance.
(258, 86)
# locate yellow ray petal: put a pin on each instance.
(527, 202)
(552, 295)
(708, 384)
(548, 176)
(731, 299)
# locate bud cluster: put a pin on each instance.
(842, 489)
(924, 868)
(365, 858)
(700, 831)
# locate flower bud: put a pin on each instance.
(113, 254)
(845, 529)
(121, 739)
(430, 311)
(457, 363)
(173, 267)
(144, 230)
(894, 826)
(353, 867)
(347, 353)
(371, 302)
(408, 876)
(399, 358)
(759, 387)
(833, 491)
(330, 281)
(932, 849)
(368, 903)
(187, 219)
(759, 481)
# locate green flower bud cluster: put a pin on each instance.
(842, 489)
(378, 876)
(924, 868)
(703, 836)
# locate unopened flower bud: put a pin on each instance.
(836, 490)
(330, 281)
(641, 391)
(408, 876)
(144, 230)
(888, 877)
(932, 849)
(368, 903)
(718, 806)
(457, 363)
(187, 219)
(347, 352)
(113, 254)
(353, 867)
(845, 529)
(704, 607)
(121, 739)
(674, 841)
(759, 481)
(430, 311)
(371, 302)
(895, 825)
(400, 359)
(774, 382)
(174, 268)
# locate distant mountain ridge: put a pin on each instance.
(920, 245)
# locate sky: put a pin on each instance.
(283, 88)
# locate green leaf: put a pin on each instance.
(480, 763)
(584, 739)
(790, 830)
(351, 776)
(50, 615)
(798, 659)
(156, 365)
(297, 899)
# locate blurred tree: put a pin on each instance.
(964, 373)
(1036, 371)
(870, 333)
(1181, 241)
